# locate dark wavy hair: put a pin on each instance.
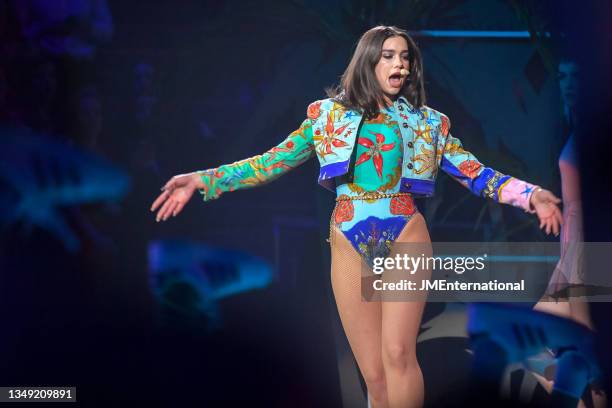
(359, 88)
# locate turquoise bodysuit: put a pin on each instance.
(371, 225)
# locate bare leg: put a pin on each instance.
(400, 325)
(570, 269)
(361, 320)
(580, 312)
(557, 307)
(575, 308)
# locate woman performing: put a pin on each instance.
(379, 146)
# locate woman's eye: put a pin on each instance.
(388, 56)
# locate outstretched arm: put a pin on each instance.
(484, 181)
(297, 148)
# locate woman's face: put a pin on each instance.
(569, 82)
(393, 57)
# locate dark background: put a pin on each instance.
(169, 87)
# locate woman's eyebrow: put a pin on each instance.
(401, 52)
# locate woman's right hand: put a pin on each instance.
(175, 194)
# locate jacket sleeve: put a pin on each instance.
(297, 148)
(483, 181)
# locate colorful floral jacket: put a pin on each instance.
(330, 133)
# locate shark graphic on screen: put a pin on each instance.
(39, 176)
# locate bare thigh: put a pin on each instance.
(401, 315)
(361, 320)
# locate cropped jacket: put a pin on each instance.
(330, 132)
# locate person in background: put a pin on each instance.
(561, 296)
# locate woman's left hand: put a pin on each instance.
(545, 205)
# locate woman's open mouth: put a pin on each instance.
(395, 80)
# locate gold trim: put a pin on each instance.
(501, 189)
(370, 195)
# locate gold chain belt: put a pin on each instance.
(370, 196)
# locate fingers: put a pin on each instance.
(161, 214)
(166, 191)
(548, 212)
(545, 225)
(556, 220)
(178, 209)
(170, 210)
(551, 224)
(175, 194)
(162, 197)
(554, 225)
